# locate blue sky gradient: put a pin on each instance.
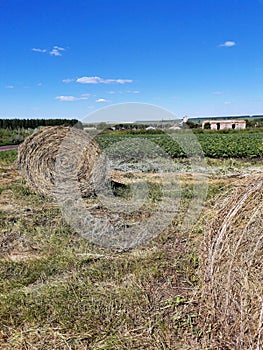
(70, 58)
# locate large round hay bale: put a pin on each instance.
(40, 153)
(231, 303)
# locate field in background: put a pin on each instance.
(58, 291)
(241, 144)
(245, 144)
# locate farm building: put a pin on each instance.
(224, 124)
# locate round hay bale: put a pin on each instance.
(231, 304)
(72, 148)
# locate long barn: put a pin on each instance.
(224, 124)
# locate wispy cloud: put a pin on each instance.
(123, 92)
(55, 51)
(133, 91)
(59, 48)
(227, 103)
(102, 100)
(67, 81)
(98, 80)
(39, 50)
(9, 86)
(89, 80)
(70, 98)
(229, 43)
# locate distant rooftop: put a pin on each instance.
(225, 117)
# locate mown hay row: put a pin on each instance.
(40, 153)
(231, 304)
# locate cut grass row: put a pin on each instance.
(58, 291)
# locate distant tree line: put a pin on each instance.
(35, 123)
(254, 122)
(126, 126)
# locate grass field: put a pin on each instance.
(59, 291)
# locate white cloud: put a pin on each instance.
(70, 98)
(98, 80)
(89, 80)
(68, 80)
(227, 102)
(228, 44)
(55, 51)
(102, 100)
(119, 81)
(39, 50)
(9, 87)
(133, 91)
(122, 92)
(85, 95)
(59, 48)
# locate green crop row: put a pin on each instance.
(239, 145)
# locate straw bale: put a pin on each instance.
(73, 149)
(231, 302)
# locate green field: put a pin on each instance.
(247, 144)
(213, 144)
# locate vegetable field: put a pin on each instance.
(214, 145)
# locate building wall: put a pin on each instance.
(225, 124)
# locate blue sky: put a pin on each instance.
(69, 58)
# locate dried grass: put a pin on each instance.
(231, 304)
(37, 158)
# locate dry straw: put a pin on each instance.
(231, 304)
(38, 158)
